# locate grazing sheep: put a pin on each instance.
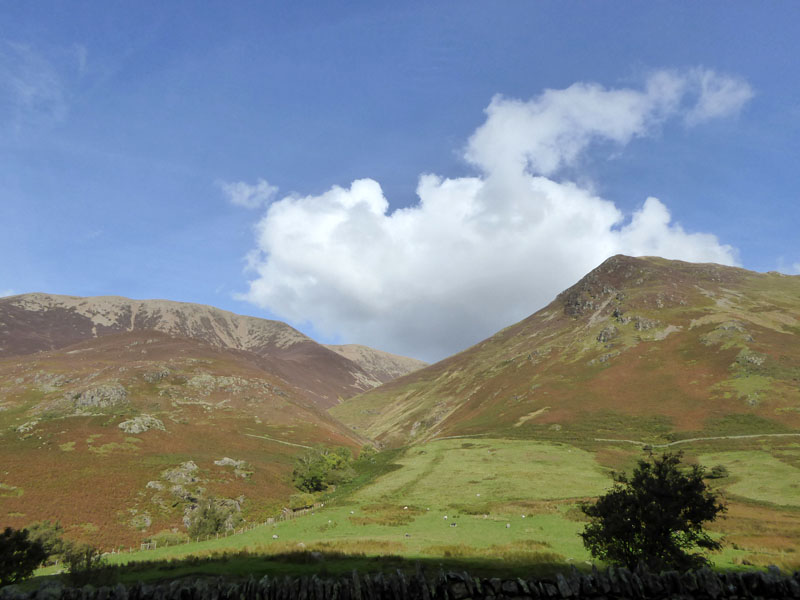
(508, 525)
(453, 524)
(445, 517)
(275, 537)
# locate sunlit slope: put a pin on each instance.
(119, 437)
(645, 348)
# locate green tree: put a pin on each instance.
(212, 516)
(654, 517)
(19, 556)
(320, 467)
(48, 534)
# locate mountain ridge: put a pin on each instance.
(713, 347)
(34, 322)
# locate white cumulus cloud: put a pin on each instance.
(247, 195)
(475, 254)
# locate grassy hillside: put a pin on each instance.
(641, 348)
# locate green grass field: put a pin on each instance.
(759, 476)
(514, 504)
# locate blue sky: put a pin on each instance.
(130, 130)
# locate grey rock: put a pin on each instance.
(607, 334)
(103, 396)
(185, 473)
(141, 424)
(643, 323)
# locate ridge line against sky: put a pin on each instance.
(331, 165)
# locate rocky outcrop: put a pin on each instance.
(240, 467)
(182, 474)
(141, 424)
(103, 396)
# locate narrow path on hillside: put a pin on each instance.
(264, 437)
(699, 439)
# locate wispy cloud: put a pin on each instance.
(246, 195)
(7, 292)
(717, 96)
(31, 88)
(478, 253)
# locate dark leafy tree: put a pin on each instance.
(654, 517)
(19, 556)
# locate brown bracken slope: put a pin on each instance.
(102, 435)
(114, 413)
(641, 348)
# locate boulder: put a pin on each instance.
(141, 424)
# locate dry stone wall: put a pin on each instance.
(611, 584)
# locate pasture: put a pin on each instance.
(508, 504)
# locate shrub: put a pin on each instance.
(717, 472)
(211, 517)
(48, 534)
(301, 500)
(19, 556)
(168, 538)
(83, 562)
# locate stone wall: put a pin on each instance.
(611, 584)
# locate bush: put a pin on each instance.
(367, 453)
(19, 556)
(48, 534)
(83, 562)
(653, 517)
(212, 517)
(168, 538)
(718, 472)
(301, 500)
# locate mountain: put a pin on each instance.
(32, 323)
(120, 436)
(380, 365)
(640, 348)
(118, 417)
